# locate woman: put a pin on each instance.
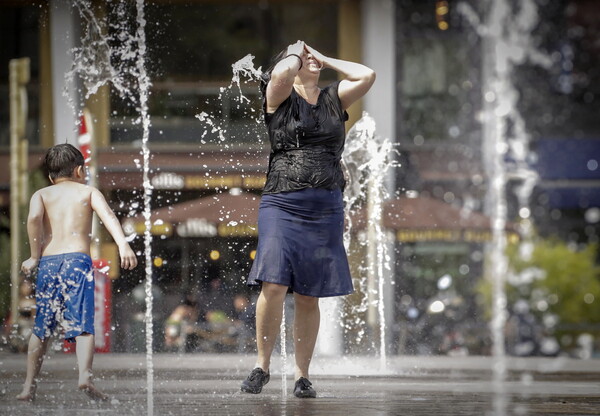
(301, 217)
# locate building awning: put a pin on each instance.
(428, 219)
(224, 215)
(236, 215)
(423, 219)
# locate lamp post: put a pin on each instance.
(18, 78)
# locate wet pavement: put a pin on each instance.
(204, 384)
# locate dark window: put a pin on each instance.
(438, 75)
(191, 48)
(19, 38)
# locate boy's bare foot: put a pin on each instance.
(92, 392)
(28, 393)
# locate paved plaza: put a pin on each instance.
(201, 384)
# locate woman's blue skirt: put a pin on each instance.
(300, 243)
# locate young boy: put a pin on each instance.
(59, 227)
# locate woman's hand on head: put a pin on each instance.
(296, 48)
(316, 54)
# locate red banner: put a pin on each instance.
(103, 306)
(84, 139)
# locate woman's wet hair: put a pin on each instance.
(62, 159)
(266, 76)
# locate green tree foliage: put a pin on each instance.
(554, 278)
(567, 284)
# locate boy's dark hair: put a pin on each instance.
(62, 159)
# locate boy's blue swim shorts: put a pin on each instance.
(64, 295)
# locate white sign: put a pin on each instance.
(196, 227)
(168, 180)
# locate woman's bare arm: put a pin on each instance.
(282, 78)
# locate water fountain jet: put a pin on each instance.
(94, 64)
(507, 42)
(368, 159)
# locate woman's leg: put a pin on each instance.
(269, 310)
(306, 327)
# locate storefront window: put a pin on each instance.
(438, 75)
(569, 88)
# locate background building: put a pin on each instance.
(429, 98)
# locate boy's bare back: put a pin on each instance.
(60, 221)
(60, 215)
(68, 217)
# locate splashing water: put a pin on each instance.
(507, 42)
(98, 63)
(243, 72)
(368, 158)
(283, 338)
(213, 123)
(144, 84)
(244, 68)
(107, 56)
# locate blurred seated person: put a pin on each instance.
(215, 323)
(27, 301)
(23, 322)
(180, 323)
(222, 321)
(216, 319)
(243, 323)
(522, 332)
(212, 333)
(215, 298)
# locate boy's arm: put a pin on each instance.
(35, 231)
(107, 216)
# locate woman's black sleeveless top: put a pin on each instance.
(306, 143)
